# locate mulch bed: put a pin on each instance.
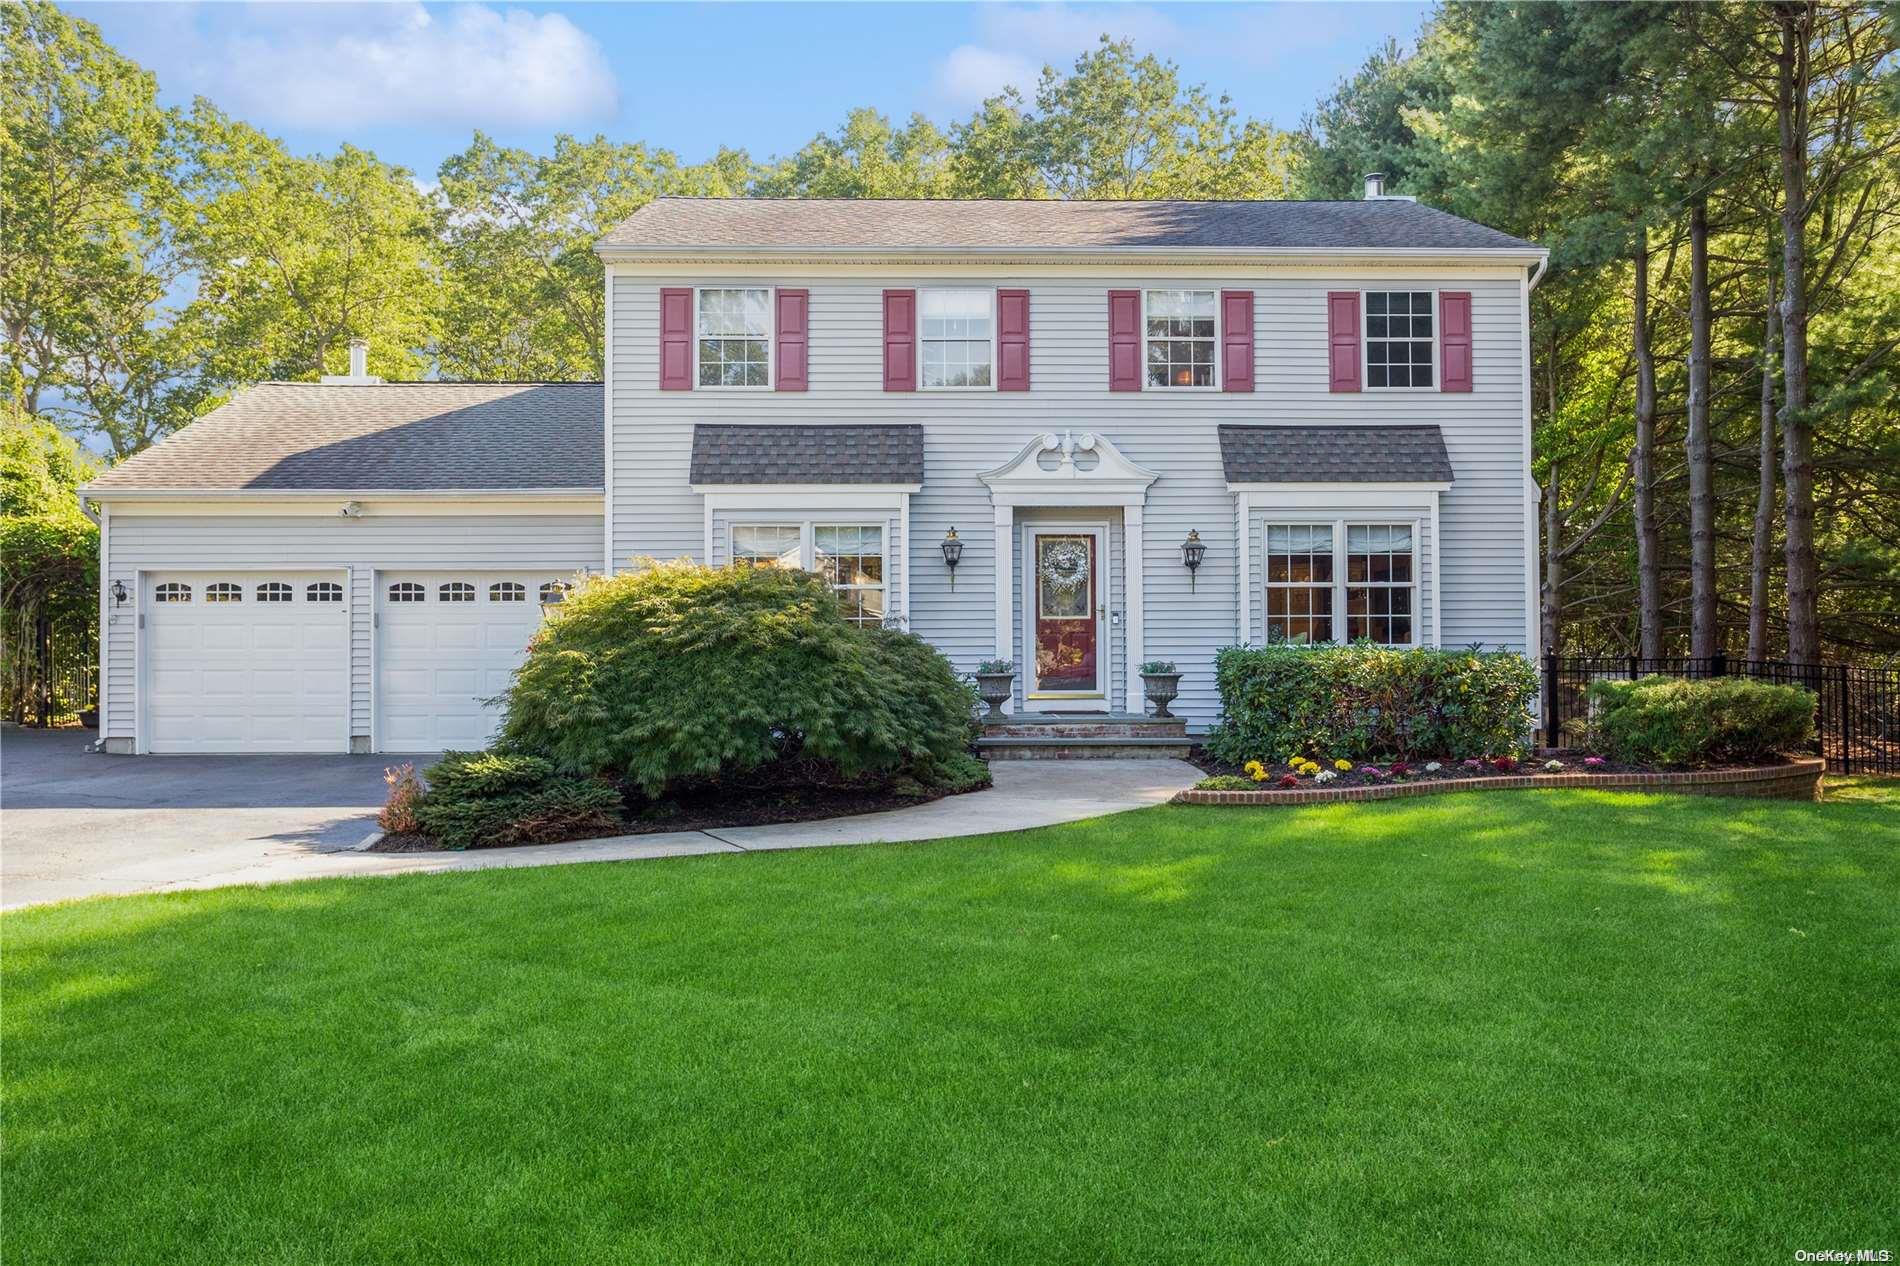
(711, 804)
(1573, 762)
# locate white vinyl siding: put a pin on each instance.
(556, 544)
(1174, 432)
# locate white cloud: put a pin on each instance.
(1016, 42)
(343, 66)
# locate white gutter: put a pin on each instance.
(86, 509)
(1073, 254)
(359, 494)
(1538, 274)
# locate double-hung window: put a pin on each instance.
(851, 559)
(1300, 582)
(768, 545)
(735, 337)
(1399, 338)
(1342, 582)
(1379, 577)
(957, 329)
(850, 556)
(1180, 329)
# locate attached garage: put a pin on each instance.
(246, 661)
(447, 642)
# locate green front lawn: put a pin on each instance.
(1508, 1027)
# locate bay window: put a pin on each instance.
(850, 556)
(1341, 581)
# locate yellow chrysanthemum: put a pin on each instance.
(1342, 765)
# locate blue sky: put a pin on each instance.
(411, 81)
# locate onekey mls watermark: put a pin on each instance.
(1843, 1255)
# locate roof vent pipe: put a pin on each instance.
(359, 350)
(1375, 184)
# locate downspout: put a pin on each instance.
(85, 508)
(1537, 273)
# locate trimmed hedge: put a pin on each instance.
(677, 670)
(477, 798)
(1370, 703)
(1706, 721)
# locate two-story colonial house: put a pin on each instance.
(1074, 435)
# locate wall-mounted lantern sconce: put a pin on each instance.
(952, 555)
(1192, 552)
(118, 593)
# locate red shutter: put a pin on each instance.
(1012, 340)
(676, 339)
(1236, 318)
(1342, 338)
(1454, 340)
(900, 340)
(1124, 340)
(792, 356)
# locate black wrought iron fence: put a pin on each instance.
(1857, 721)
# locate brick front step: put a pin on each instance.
(1797, 780)
(1096, 747)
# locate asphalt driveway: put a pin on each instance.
(75, 824)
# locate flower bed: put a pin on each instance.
(1794, 779)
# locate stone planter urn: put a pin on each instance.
(1161, 689)
(995, 689)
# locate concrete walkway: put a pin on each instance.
(1027, 794)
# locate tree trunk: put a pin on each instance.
(1765, 493)
(1797, 438)
(1552, 589)
(1704, 639)
(1643, 467)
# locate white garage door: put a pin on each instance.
(246, 662)
(447, 641)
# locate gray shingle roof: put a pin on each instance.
(391, 436)
(918, 224)
(881, 454)
(1334, 454)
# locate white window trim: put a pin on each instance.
(1219, 330)
(994, 348)
(1365, 351)
(1339, 525)
(771, 337)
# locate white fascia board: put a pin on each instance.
(807, 491)
(1072, 254)
(296, 494)
(1420, 490)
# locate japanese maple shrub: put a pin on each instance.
(676, 670)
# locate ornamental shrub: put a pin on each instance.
(489, 798)
(1361, 702)
(1708, 721)
(676, 670)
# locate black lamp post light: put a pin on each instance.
(1192, 552)
(952, 555)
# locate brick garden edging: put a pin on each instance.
(1797, 780)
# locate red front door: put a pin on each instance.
(1066, 579)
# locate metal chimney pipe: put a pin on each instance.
(1375, 184)
(359, 358)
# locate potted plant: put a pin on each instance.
(1160, 682)
(995, 683)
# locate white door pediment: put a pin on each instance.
(1069, 469)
